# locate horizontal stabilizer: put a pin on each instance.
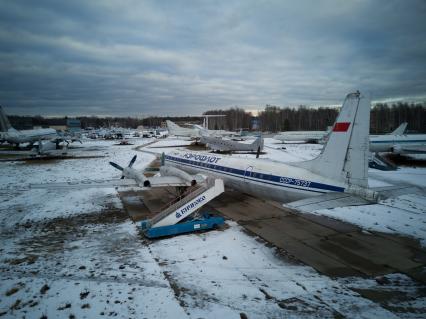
(326, 201)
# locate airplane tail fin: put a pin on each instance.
(4, 121)
(345, 155)
(172, 127)
(400, 129)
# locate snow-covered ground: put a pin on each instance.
(75, 254)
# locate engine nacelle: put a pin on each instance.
(173, 171)
(131, 173)
(397, 149)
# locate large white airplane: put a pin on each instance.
(398, 143)
(395, 142)
(341, 170)
(13, 136)
(342, 165)
(320, 136)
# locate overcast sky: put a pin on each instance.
(184, 57)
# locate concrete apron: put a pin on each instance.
(332, 247)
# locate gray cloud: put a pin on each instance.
(157, 57)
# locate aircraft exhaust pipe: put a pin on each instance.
(193, 182)
(147, 183)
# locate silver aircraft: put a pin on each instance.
(342, 166)
(220, 144)
(13, 136)
(338, 175)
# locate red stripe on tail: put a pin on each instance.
(341, 127)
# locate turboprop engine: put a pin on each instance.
(172, 171)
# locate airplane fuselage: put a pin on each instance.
(306, 136)
(396, 143)
(29, 136)
(222, 145)
(261, 178)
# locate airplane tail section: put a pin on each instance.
(345, 155)
(172, 127)
(4, 121)
(400, 129)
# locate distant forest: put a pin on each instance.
(384, 118)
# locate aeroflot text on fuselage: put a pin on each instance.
(202, 158)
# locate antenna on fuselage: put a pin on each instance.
(162, 159)
(258, 152)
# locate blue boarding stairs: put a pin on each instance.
(182, 215)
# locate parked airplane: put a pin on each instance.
(302, 136)
(395, 142)
(342, 165)
(179, 131)
(197, 130)
(16, 137)
(319, 136)
(223, 145)
(398, 143)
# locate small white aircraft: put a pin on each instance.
(13, 136)
(224, 145)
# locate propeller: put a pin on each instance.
(132, 161)
(163, 158)
(115, 165)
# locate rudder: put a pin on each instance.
(345, 155)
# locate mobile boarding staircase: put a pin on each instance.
(180, 216)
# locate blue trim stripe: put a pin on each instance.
(398, 142)
(270, 179)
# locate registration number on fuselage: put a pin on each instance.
(294, 181)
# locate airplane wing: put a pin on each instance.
(86, 184)
(164, 181)
(156, 181)
(326, 201)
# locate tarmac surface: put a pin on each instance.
(332, 247)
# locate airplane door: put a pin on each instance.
(248, 172)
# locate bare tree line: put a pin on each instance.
(384, 118)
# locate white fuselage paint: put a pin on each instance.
(305, 136)
(396, 143)
(220, 144)
(378, 143)
(29, 136)
(262, 178)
